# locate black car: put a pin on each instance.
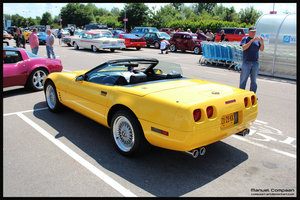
(11, 30)
(154, 38)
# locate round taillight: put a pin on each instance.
(253, 99)
(246, 101)
(197, 115)
(209, 111)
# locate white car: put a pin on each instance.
(98, 40)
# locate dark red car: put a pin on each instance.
(132, 40)
(23, 68)
(187, 41)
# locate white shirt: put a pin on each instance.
(163, 44)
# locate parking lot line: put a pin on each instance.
(125, 192)
(265, 147)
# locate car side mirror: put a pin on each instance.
(80, 77)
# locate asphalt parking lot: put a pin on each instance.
(69, 155)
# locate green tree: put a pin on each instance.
(16, 20)
(177, 6)
(249, 15)
(198, 7)
(76, 13)
(46, 19)
(137, 14)
(115, 11)
(230, 14)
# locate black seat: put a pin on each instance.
(138, 78)
(121, 81)
(174, 75)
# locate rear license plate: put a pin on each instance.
(228, 120)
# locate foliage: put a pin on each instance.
(198, 7)
(173, 15)
(249, 15)
(136, 13)
(46, 19)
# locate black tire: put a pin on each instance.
(69, 44)
(127, 134)
(197, 50)
(156, 45)
(52, 100)
(76, 46)
(112, 50)
(94, 48)
(173, 48)
(35, 79)
(138, 48)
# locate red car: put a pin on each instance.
(170, 31)
(232, 34)
(187, 41)
(23, 68)
(132, 40)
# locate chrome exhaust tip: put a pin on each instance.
(197, 152)
(194, 153)
(244, 132)
(202, 151)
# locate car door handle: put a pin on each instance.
(103, 93)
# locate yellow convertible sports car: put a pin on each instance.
(144, 102)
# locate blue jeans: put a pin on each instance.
(50, 50)
(35, 50)
(249, 68)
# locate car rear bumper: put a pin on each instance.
(112, 46)
(189, 140)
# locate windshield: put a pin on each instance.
(164, 35)
(41, 34)
(130, 36)
(102, 35)
(31, 55)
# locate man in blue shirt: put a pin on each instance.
(251, 45)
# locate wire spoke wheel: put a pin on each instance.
(123, 133)
(50, 96)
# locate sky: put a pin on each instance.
(26, 9)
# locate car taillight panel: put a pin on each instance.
(246, 102)
(253, 100)
(209, 111)
(197, 115)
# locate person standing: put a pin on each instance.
(17, 36)
(59, 36)
(223, 35)
(34, 41)
(72, 31)
(49, 44)
(251, 46)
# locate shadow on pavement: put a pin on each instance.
(161, 172)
